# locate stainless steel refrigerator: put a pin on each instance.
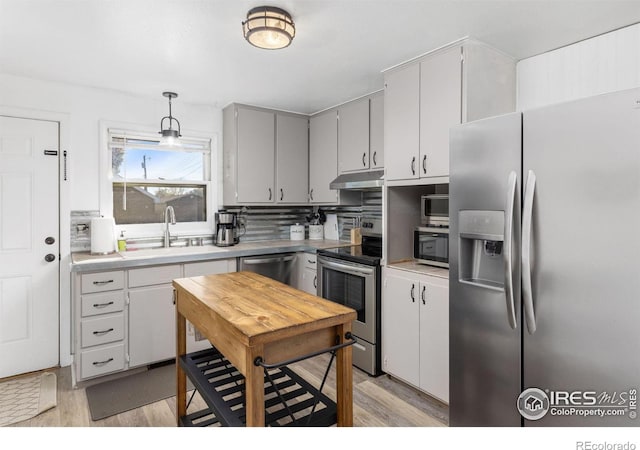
(545, 265)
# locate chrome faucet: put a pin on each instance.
(169, 218)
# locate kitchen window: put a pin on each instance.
(146, 178)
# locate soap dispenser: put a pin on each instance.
(122, 242)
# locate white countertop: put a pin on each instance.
(412, 266)
(85, 261)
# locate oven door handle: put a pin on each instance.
(346, 267)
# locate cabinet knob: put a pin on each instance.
(50, 240)
(50, 257)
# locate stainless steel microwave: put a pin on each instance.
(435, 209)
(431, 246)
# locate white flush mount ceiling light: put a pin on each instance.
(269, 27)
(170, 136)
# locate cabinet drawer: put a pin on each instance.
(309, 261)
(103, 281)
(102, 330)
(102, 360)
(109, 302)
(154, 275)
(209, 267)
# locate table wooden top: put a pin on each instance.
(258, 309)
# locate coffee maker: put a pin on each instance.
(226, 225)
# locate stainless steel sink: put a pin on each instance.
(170, 251)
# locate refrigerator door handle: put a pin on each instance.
(527, 219)
(508, 249)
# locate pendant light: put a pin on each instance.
(269, 27)
(170, 136)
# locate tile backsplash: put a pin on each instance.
(81, 230)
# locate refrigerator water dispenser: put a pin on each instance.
(481, 235)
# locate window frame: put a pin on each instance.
(157, 229)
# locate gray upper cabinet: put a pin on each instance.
(323, 157)
(265, 156)
(256, 153)
(376, 131)
(353, 136)
(402, 122)
(424, 98)
(440, 109)
(292, 158)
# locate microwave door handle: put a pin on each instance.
(527, 291)
(346, 268)
(508, 249)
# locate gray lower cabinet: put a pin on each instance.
(126, 318)
(151, 325)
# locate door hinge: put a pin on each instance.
(126, 358)
(128, 299)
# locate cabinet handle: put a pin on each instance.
(99, 283)
(103, 332)
(413, 165)
(281, 194)
(102, 363)
(374, 159)
(310, 261)
(311, 194)
(424, 288)
(424, 164)
(315, 281)
(270, 194)
(413, 297)
(102, 305)
(364, 164)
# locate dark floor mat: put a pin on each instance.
(133, 391)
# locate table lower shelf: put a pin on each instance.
(222, 388)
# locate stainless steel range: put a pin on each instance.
(351, 276)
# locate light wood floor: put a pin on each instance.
(378, 402)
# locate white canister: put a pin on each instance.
(103, 239)
(296, 232)
(316, 232)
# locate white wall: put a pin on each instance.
(605, 63)
(86, 107)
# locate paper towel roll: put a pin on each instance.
(103, 239)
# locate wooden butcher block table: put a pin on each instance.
(248, 317)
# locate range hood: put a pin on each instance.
(359, 180)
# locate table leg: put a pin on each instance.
(344, 380)
(254, 385)
(181, 378)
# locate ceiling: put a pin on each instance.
(196, 48)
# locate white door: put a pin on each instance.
(29, 233)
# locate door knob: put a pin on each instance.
(50, 240)
(50, 257)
